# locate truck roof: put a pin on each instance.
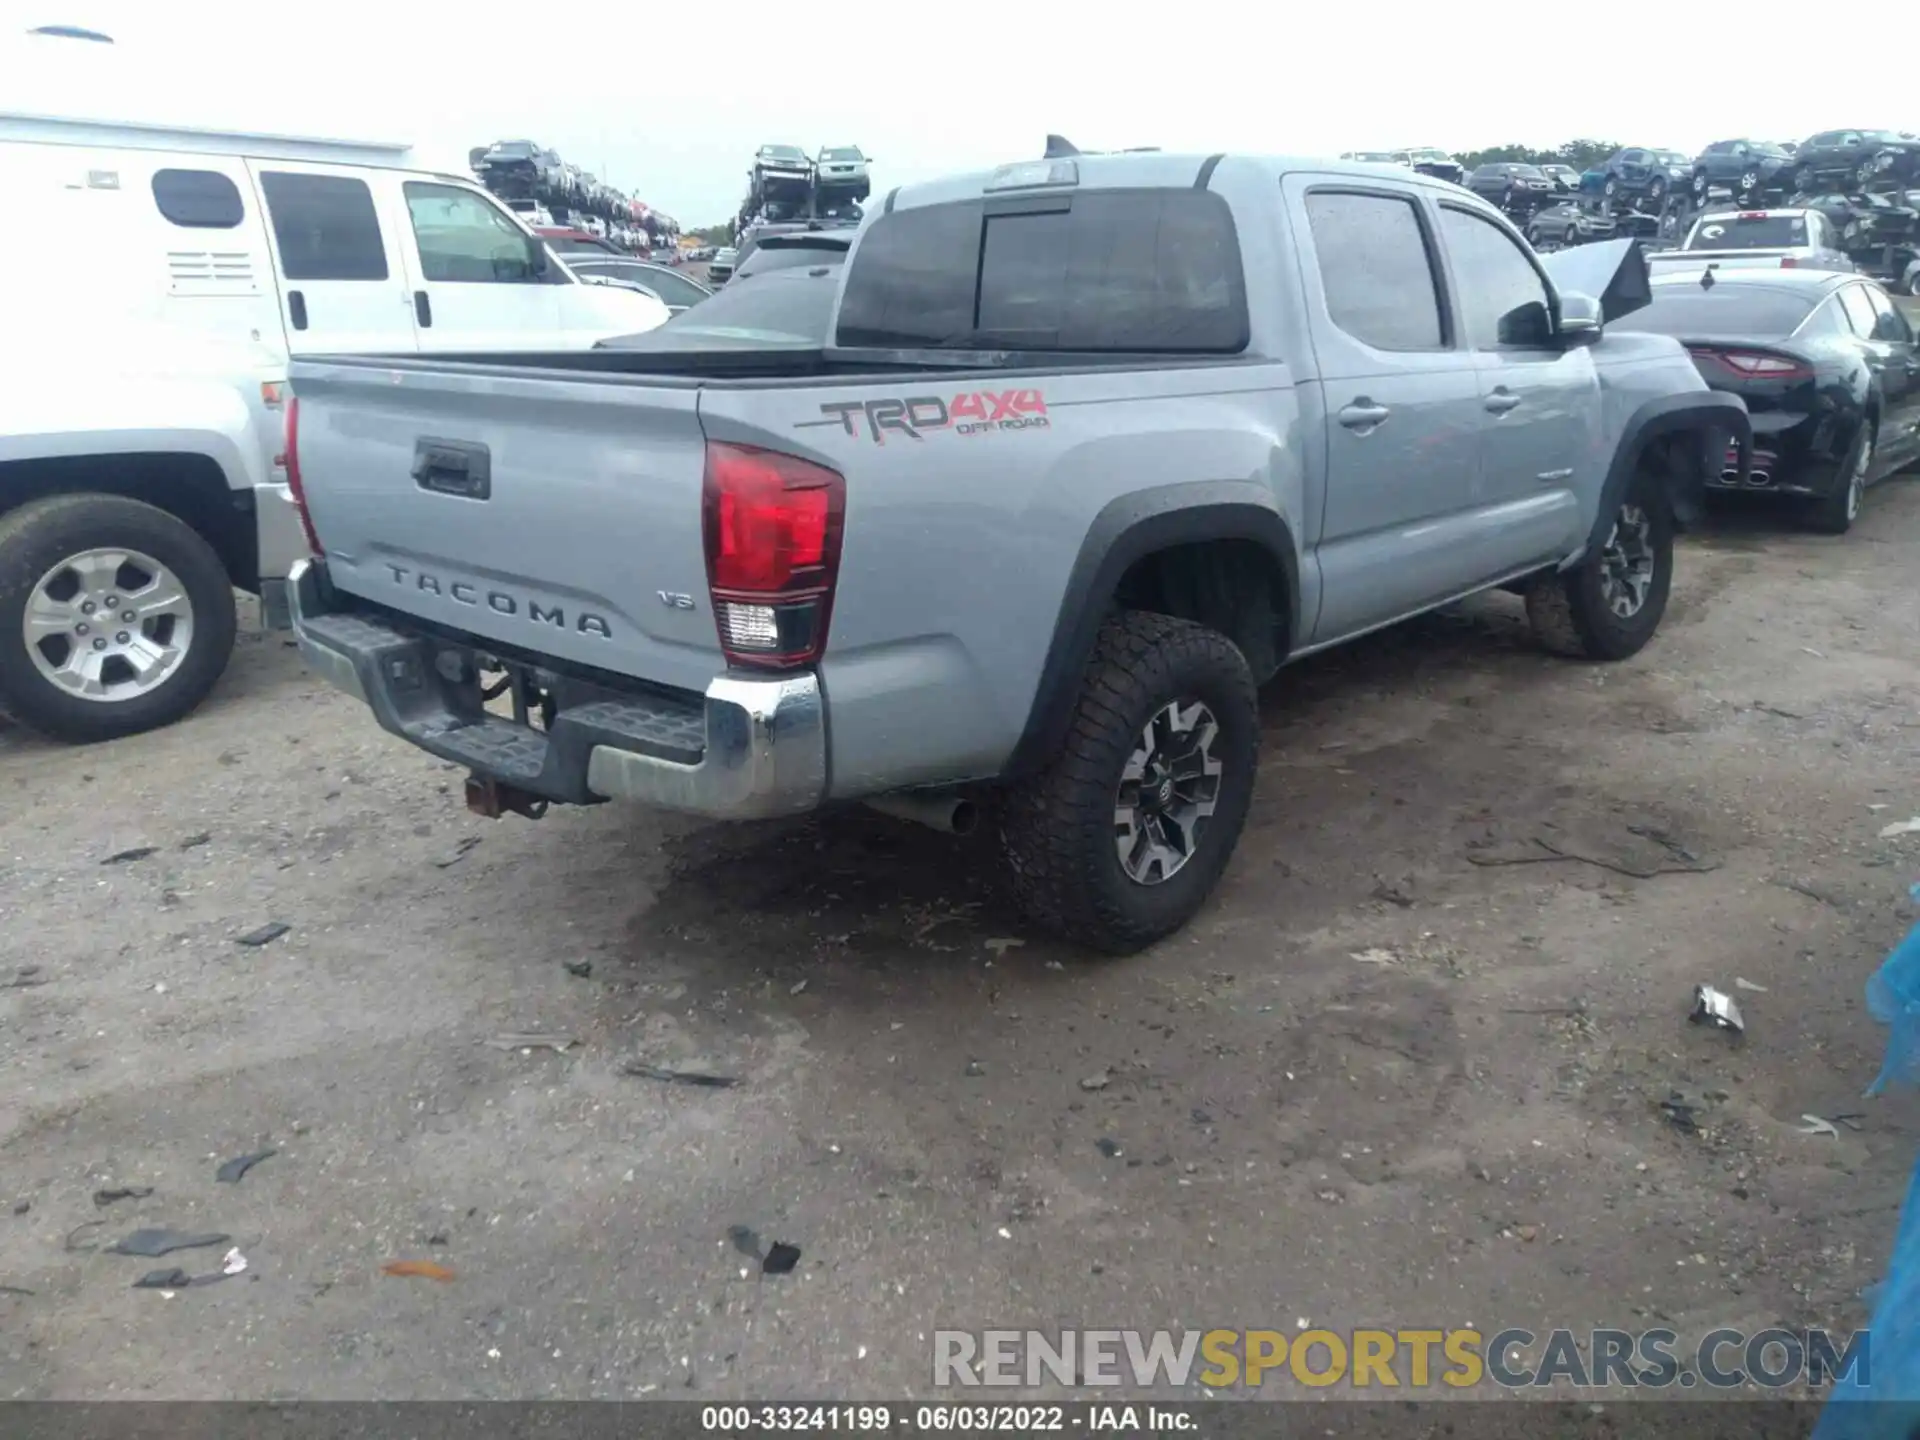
(1149, 169)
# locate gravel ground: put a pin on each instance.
(1380, 1079)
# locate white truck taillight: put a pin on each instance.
(772, 524)
(294, 487)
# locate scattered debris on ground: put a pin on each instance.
(579, 969)
(104, 1198)
(1639, 852)
(265, 935)
(418, 1270)
(127, 857)
(466, 846)
(781, 1259)
(1716, 1008)
(231, 1172)
(533, 1040)
(154, 1243)
(678, 1077)
(1099, 1080)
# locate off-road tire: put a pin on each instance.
(37, 537)
(1569, 615)
(1834, 514)
(1057, 828)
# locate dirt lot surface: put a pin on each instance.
(1385, 1077)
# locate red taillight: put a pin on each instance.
(1757, 364)
(772, 524)
(1788, 262)
(294, 486)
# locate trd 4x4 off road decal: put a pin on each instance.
(979, 412)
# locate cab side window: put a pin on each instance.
(1376, 269)
(465, 240)
(1503, 300)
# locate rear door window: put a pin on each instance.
(324, 226)
(1098, 270)
(1376, 269)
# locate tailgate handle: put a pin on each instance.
(422, 309)
(297, 309)
(453, 467)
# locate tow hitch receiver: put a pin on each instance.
(492, 799)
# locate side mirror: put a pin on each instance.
(1580, 320)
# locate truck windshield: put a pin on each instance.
(1757, 232)
(1107, 270)
(1729, 308)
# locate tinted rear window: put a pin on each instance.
(1775, 232)
(1726, 309)
(1107, 270)
(788, 257)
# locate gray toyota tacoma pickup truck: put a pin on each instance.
(1093, 447)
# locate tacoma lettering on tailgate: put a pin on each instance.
(978, 412)
(501, 602)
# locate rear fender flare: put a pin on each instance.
(1126, 530)
(1716, 420)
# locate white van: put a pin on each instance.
(331, 246)
(118, 444)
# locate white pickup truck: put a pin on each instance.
(1755, 239)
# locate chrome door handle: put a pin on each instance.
(1363, 414)
(1501, 401)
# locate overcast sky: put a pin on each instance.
(669, 101)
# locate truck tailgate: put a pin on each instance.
(560, 516)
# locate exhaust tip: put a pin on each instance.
(966, 817)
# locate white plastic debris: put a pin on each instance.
(1901, 827)
(1000, 944)
(233, 1263)
(1716, 1008)
(1816, 1126)
(1743, 984)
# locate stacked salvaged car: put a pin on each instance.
(546, 191)
(1865, 182)
(786, 186)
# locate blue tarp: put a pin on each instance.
(1884, 1404)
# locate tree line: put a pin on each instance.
(1578, 154)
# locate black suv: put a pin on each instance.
(1518, 189)
(1858, 159)
(1746, 167)
(1636, 172)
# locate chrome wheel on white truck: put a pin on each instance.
(115, 617)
